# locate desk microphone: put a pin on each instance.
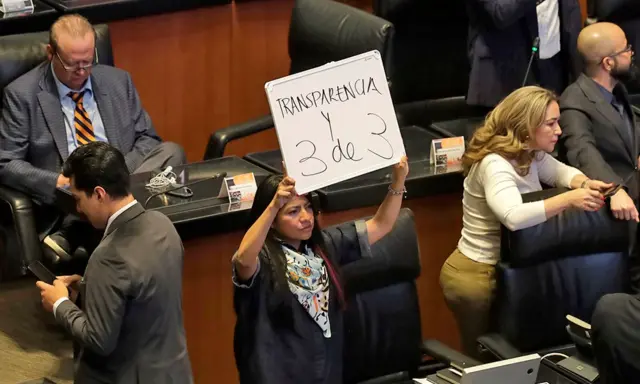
(534, 50)
(179, 186)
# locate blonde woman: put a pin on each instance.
(506, 157)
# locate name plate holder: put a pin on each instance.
(239, 189)
(16, 6)
(447, 152)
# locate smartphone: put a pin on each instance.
(41, 272)
(579, 327)
(184, 192)
(612, 191)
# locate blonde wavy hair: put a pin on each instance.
(509, 127)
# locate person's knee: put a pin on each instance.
(606, 316)
(175, 153)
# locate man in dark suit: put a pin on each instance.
(65, 102)
(128, 327)
(600, 136)
(501, 37)
(616, 341)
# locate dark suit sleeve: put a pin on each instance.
(15, 171)
(572, 26)
(504, 13)
(580, 146)
(146, 137)
(97, 326)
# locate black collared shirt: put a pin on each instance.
(619, 106)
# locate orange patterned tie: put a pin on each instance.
(81, 121)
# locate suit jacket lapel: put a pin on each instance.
(634, 144)
(49, 101)
(607, 110)
(106, 108)
(126, 216)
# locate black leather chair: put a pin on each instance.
(18, 234)
(320, 32)
(626, 14)
(383, 342)
(429, 48)
(560, 267)
(102, 11)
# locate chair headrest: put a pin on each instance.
(569, 234)
(325, 31)
(395, 259)
(21, 53)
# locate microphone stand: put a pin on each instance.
(534, 50)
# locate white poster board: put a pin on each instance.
(335, 122)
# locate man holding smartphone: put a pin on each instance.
(127, 323)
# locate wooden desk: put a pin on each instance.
(208, 292)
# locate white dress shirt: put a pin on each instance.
(492, 195)
(548, 12)
(109, 221)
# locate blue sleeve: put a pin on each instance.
(349, 242)
(244, 284)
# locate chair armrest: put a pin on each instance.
(444, 353)
(18, 201)
(424, 112)
(635, 109)
(220, 138)
(24, 222)
(393, 378)
(498, 346)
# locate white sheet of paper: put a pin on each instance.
(335, 122)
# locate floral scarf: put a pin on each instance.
(309, 282)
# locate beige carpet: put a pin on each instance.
(32, 346)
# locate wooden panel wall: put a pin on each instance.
(201, 70)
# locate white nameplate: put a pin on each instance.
(447, 152)
(239, 188)
(12, 6)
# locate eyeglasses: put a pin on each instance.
(629, 48)
(78, 67)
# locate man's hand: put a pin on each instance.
(598, 185)
(623, 207)
(62, 181)
(72, 283)
(52, 293)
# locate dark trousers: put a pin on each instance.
(634, 257)
(80, 233)
(616, 338)
(552, 73)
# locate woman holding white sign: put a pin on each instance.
(506, 157)
(288, 296)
